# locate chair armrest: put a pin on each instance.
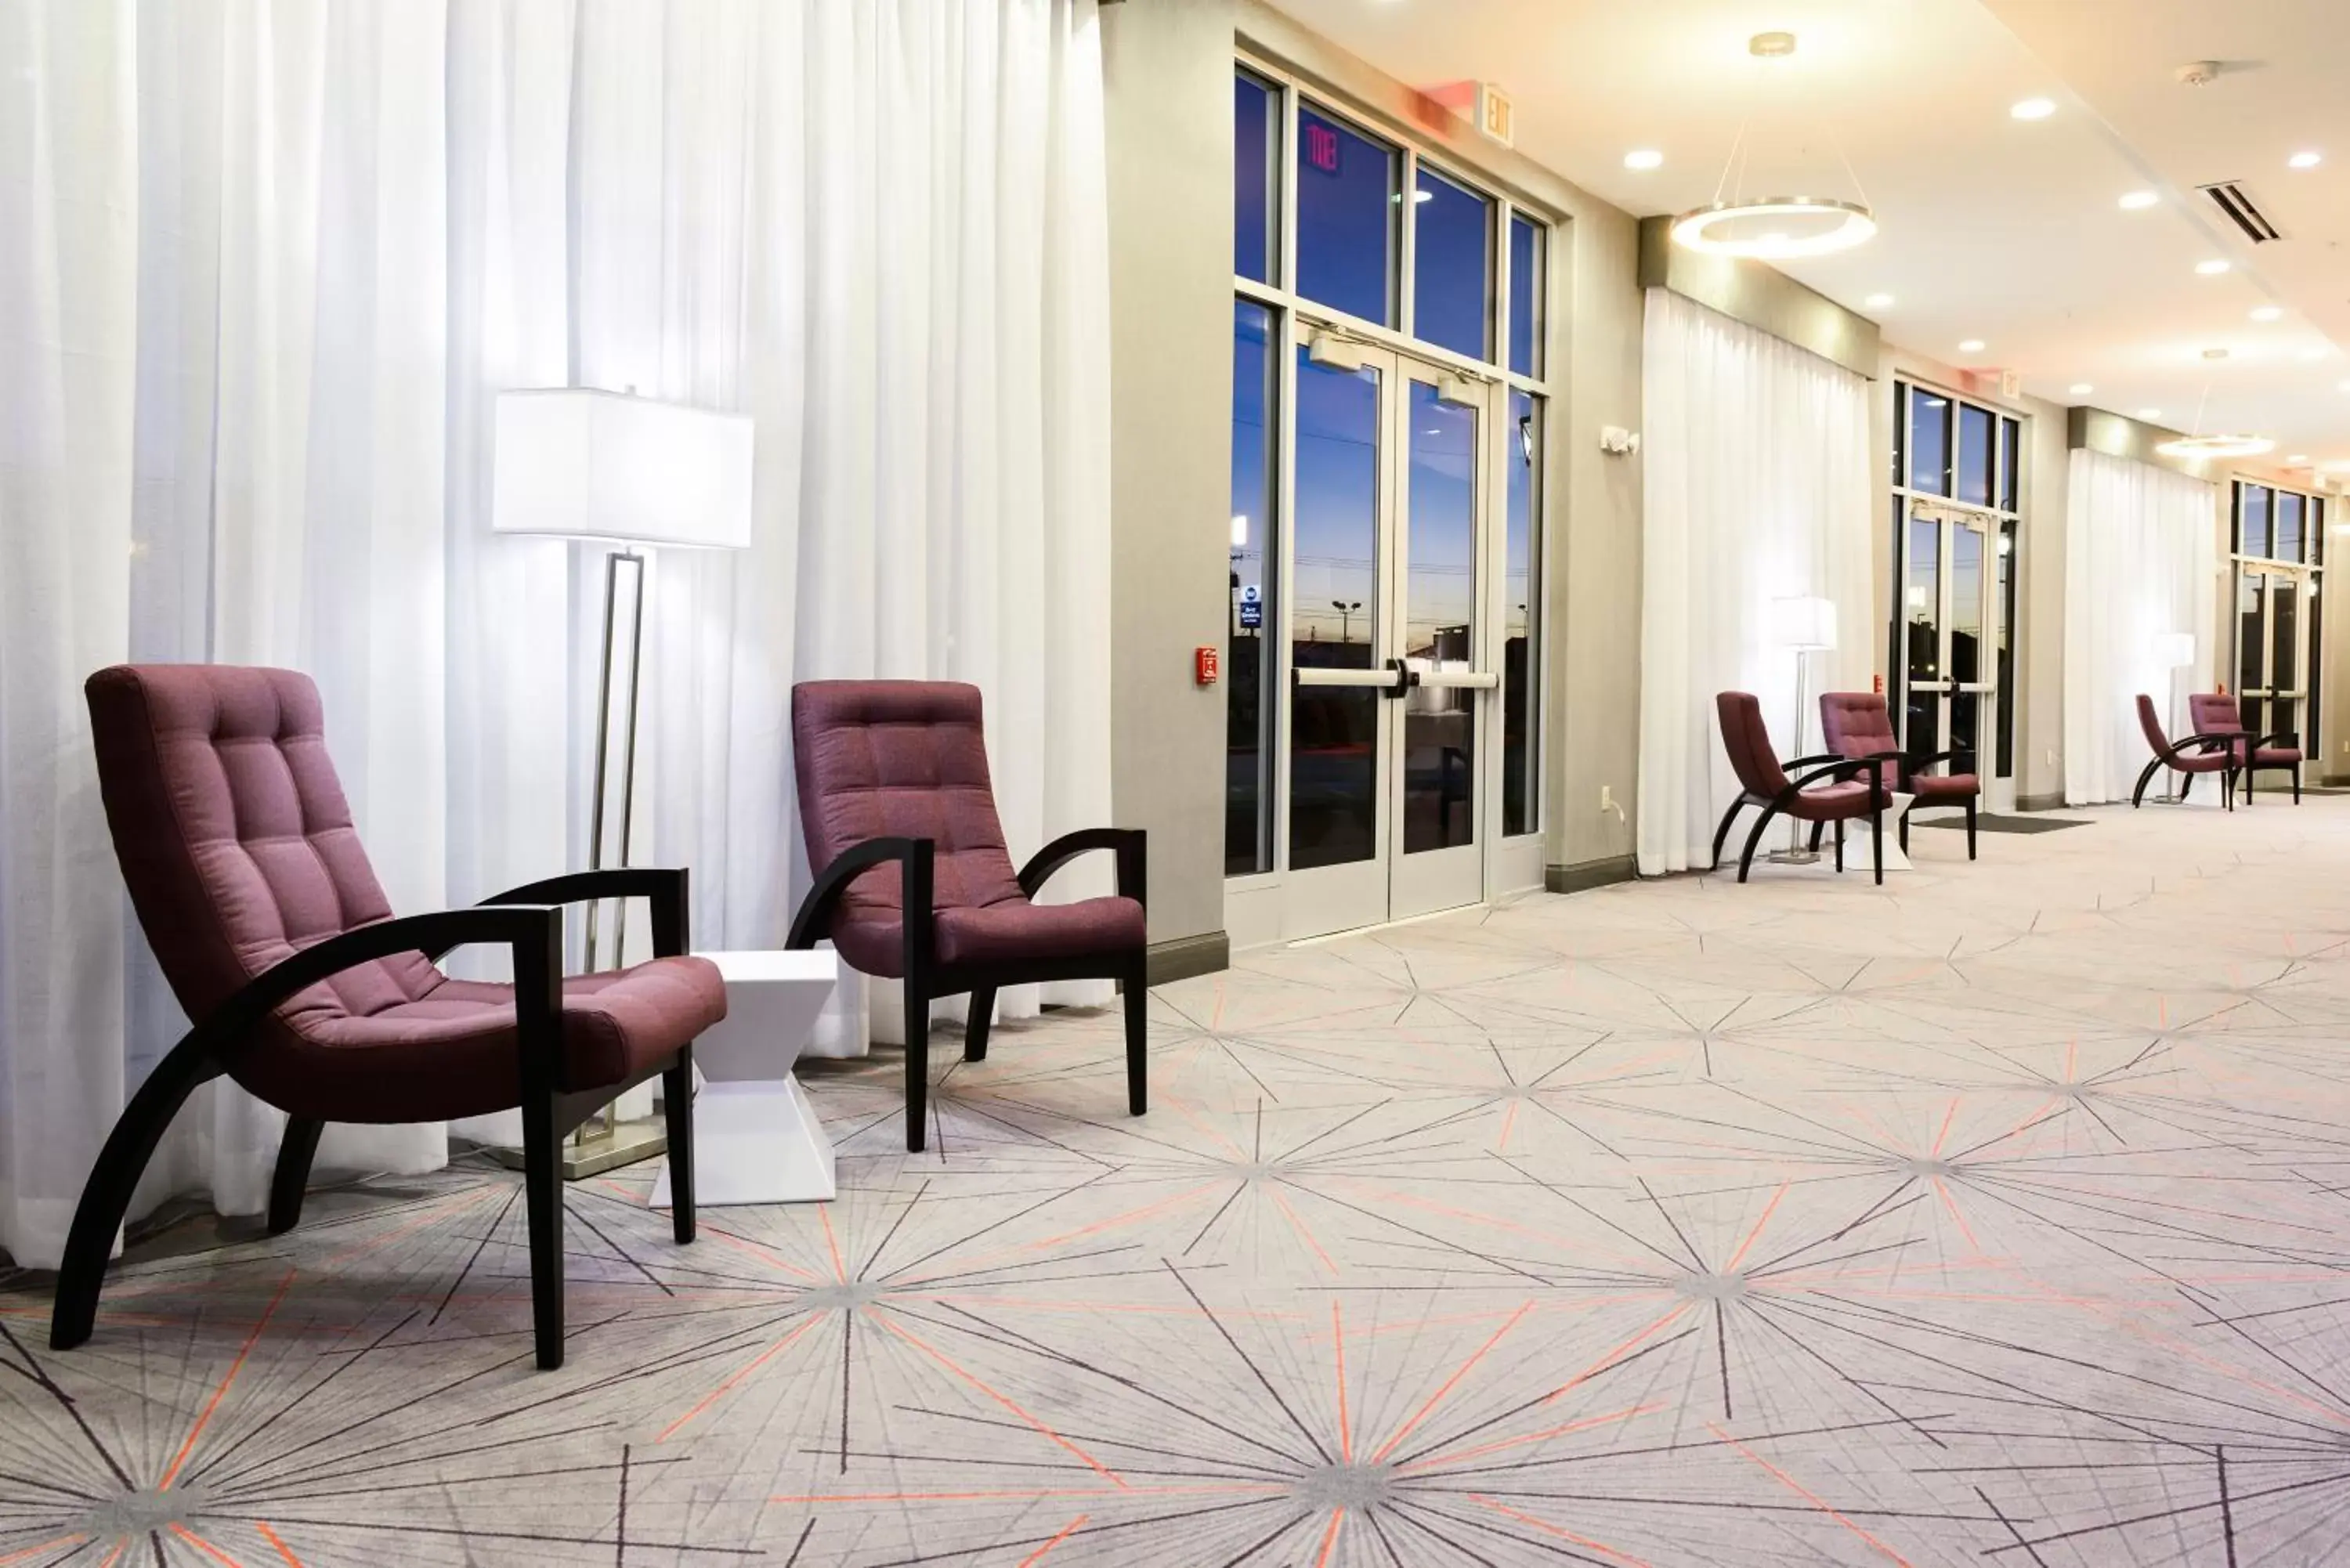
(814, 921)
(534, 931)
(1841, 766)
(1792, 763)
(2282, 737)
(1127, 843)
(665, 887)
(2215, 740)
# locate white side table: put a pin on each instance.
(756, 1139)
(1856, 855)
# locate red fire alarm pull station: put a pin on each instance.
(1204, 666)
(1878, 684)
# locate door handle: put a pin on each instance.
(1392, 679)
(1460, 680)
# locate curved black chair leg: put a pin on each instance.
(107, 1194)
(1746, 861)
(975, 1029)
(1721, 834)
(1839, 830)
(677, 1111)
(1901, 831)
(2186, 787)
(1970, 830)
(2296, 784)
(2137, 795)
(292, 1177)
(1138, 1037)
(917, 1065)
(1817, 829)
(1876, 841)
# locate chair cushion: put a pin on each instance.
(1831, 803)
(1936, 788)
(2277, 756)
(1856, 723)
(999, 933)
(452, 1052)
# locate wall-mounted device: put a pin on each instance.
(1617, 441)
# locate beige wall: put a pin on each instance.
(1168, 81)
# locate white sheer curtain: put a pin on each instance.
(263, 269)
(1757, 487)
(2141, 559)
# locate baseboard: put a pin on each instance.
(1589, 873)
(1181, 958)
(2041, 802)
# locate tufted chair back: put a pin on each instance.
(2150, 721)
(233, 834)
(2213, 714)
(1856, 724)
(899, 758)
(1748, 741)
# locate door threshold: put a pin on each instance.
(1387, 925)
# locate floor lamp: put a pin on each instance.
(612, 468)
(2173, 651)
(1806, 625)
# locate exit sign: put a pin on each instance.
(1496, 117)
(1322, 147)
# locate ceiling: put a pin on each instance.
(1996, 229)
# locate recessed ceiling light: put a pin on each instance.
(2149, 413)
(2297, 458)
(1879, 302)
(1644, 158)
(2211, 268)
(2313, 355)
(2139, 200)
(2267, 313)
(2305, 159)
(2034, 108)
(1971, 345)
(2080, 390)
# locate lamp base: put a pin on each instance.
(1793, 857)
(593, 1152)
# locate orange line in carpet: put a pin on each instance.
(283, 1549)
(1608, 1358)
(1434, 1399)
(189, 1447)
(1067, 1531)
(1299, 1225)
(1544, 1524)
(1755, 1234)
(948, 1363)
(433, 1216)
(1330, 1537)
(1952, 1205)
(1510, 1125)
(969, 1265)
(744, 1371)
(1792, 1484)
(115, 1556)
(47, 1546)
(206, 1547)
(1943, 1136)
(1345, 1428)
(839, 1270)
(810, 1499)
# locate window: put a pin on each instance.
(2279, 640)
(1256, 204)
(1347, 193)
(1974, 454)
(2252, 536)
(1529, 262)
(1929, 441)
(1452, 266)
(1248, 708)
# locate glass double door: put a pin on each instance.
(1951, 618)
(2272, 643)
(1393, 678)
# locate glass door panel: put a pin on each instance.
(1922, 618)
(1956, 632)
(1969, 677)
(1439, 621)
(1337, 720)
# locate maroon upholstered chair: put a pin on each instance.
(896, 771)
(2216, 714)
(2198, 753)
(237, 846)
(1854, 788)
(1856, 724)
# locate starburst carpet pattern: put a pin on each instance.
(1994, 1217)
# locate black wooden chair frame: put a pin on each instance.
(529, 921)
(1910, 767)
(1824, 766)
(2169, 759)
(926, 978)
(2252, 751)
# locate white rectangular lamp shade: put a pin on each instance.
(1803, 623)
(2174, 649)
(588, 465)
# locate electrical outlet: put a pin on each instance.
(2051, 756)
(1606, 798)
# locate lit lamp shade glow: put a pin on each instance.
(587, 464)
(1804, 624)
(2174, 649)
(1775, 228)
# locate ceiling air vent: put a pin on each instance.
(2229, 198)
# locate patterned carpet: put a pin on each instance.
(1996, 1217)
